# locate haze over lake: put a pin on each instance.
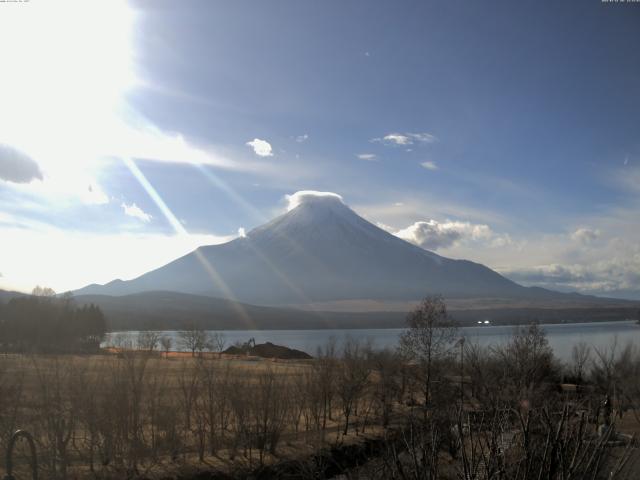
(561, 337)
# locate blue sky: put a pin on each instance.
(500, 132)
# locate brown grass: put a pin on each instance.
(36, 377)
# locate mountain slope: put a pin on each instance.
(320, 251)
(6, 295)
(172, 311)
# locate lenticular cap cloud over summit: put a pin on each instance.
(303, 196)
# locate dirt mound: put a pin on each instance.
(234, 350)
(268, 350)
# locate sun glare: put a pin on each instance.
(66, 66)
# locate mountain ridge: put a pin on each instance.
(162, 310)
(172, 311)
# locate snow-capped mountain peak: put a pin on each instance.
(320, 249)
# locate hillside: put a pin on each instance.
(171, 311)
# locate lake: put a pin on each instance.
(561, 337)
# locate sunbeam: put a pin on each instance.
(180, 230)
(235, 196)
(254, 212)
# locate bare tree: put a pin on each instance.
(552, 444)
(157, 390)
(193, 338)
(387, 365)
(189, 386)
(352, 379)
(325, 373)
(428, 339)
(134, 369)
(528, 362)
(46, 292)
(87, 396)
(166, 342)
(216, 341)
(212, 405)
(240, 402)
(615, 372)
(148, 341)
(122, 341)
(580, 356)
(269, 409)
(314, 398)
(604, 371)
(298, 399)
(55, 411)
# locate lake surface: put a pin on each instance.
(561, 337)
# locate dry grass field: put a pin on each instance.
(127, 414)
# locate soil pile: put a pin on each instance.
(268, 350)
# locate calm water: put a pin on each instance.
(561, 337)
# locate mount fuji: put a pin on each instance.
(320, 251)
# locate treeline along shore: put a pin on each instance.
(46, 323)
(436, 407)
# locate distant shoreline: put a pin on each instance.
(561, 336)
(310, 329)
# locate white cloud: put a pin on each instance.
(302, 138)
(423, 137)
(384, 226)
(549, 274)
(17, 167)
(262, 148)
(429, 165)
(434, 235)
(366, 156)
(406, 138)
(304, 196)
(242, 232)
(570, 262)
(397, 138)
(613, 275)
(585, 235)
(135, 211)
